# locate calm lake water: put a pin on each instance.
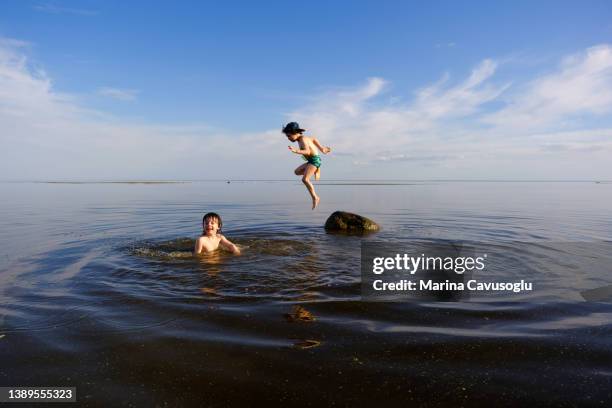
(99, 290)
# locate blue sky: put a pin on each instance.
(398, 89)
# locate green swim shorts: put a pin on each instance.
(314, 160)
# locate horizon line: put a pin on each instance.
(172, 181)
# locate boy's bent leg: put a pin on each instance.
(300, 169)
(310, 170)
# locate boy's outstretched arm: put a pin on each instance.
(229, 246)
(324, 149)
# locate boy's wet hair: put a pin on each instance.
(215, 216)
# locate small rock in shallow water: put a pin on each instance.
(209, 291)
(342, 221)
(299, 314)
(306, 344)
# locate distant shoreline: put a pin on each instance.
(328, 181)
(104, 182)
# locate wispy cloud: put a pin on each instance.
(52, 8)
(7, 44)
(445, 45)
(581, 85)
(477, 123)
(371, 126)
(47, 134)
(120, 94)
(461, 100)
(552, 126)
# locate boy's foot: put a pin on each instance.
(318, 173)
(315, 202)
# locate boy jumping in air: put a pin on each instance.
(309, 148)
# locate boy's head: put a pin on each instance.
(293, 131)
(212, 223)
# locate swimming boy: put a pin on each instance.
(308, 149)
(211, 239)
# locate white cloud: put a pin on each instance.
(476, 127)
(469, 128)
(46, 134)
(446, 45)
(55, 9)
(435, 102)
(581, 85)
(366, 130)
(120, 94)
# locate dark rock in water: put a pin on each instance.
(299, 314)
(341, 221)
